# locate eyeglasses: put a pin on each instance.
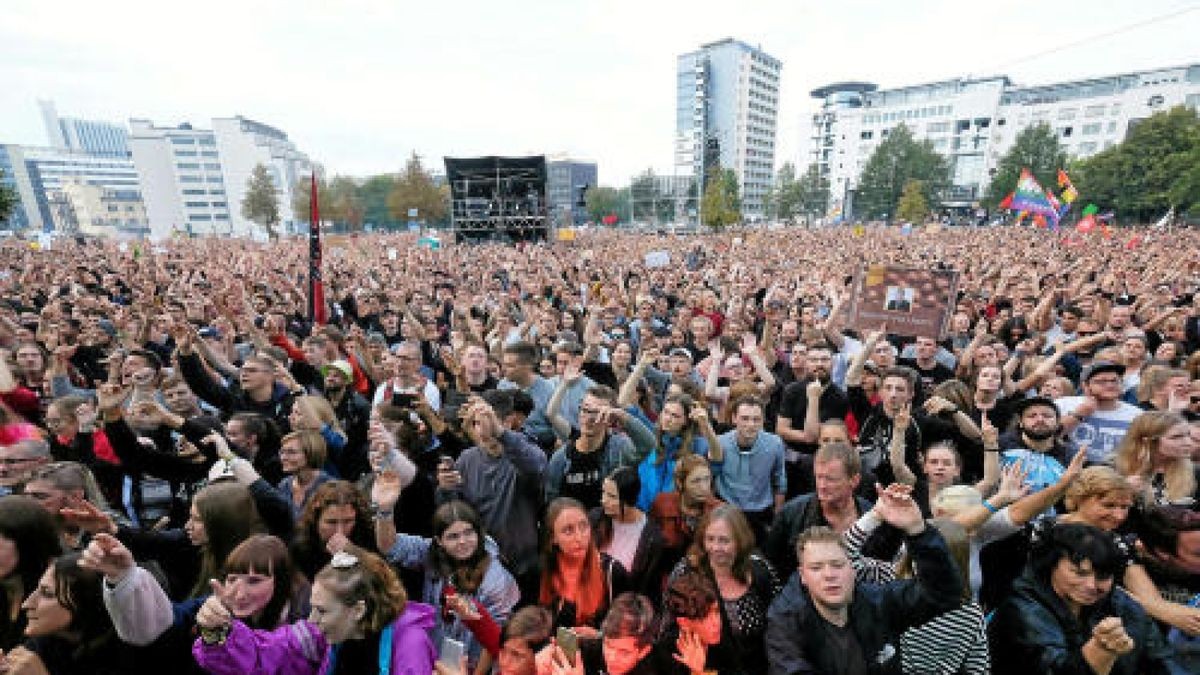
(1104, 380)
(589, 412)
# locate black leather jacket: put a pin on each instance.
(1034, 632)
(879, 613)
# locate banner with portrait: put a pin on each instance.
(904, 300)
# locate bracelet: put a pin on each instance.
(214, 636)
(992, 449)
(988, 505)
(380, 514)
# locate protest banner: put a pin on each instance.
(906, 301)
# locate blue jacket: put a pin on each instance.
(750, 480)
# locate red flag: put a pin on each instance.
(1007, 201)
(318, 312)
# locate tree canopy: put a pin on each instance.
(1036, 148)
(898, 159)
(261, 203)
(1155, 168)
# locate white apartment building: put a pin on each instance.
(244, 144)
(91, 136)
(974, 121)
(182, 184)
(39, 176)
(727, 103)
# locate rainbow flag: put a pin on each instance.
(1031, 197)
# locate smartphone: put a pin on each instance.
(568, 641)
(451, 653)
(404, 400)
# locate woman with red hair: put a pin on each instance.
(578, 581)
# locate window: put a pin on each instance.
(1091, 129)
(208, 153)
(1112, 127)
(938, 127)
(866, 135)
(199, 217)
(1066, 131)
(213, 167)
(186, 165)
(193, 191)
(185, 153)
(1094, 110)
(196, 205)
(176, 140)
(208, 141)
(962, 125)
(213, 179)
(1066, 114)
(1087, 148)
(1000, 122)
(190, 179)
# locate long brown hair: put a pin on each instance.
(686, 434)
(743, 536)
(230, 517)
(370, 580)
(591, 590)
(267, 555)
(465, 575)
(1135, 454)
(307, 549)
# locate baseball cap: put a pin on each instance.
(1032, 402)
(682, 351)
(341, 365)
(1098, 367)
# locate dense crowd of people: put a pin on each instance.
(578, 458)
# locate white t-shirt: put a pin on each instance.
(1101, 431)
(624, 544)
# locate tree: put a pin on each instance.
(812, 192)
(414, 189)
(721, 204)
(302, 203)
(345, 205)
(647, 199)
(775, 203)
(601, 201)
(912, 206)
(8, 199)
(1152, 170)
(895, 161)
(1036, 148)
(373, 194)
(261, 203)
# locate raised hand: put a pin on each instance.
(218, 442)
(991, 435)
(897, 508)
(385, 489)
(214, 613)
(903, 418)
(1111, 635)
(700, 417)
(691, 652)
(108, 556)
(1012, 483)
(111, 396)
(88, 517)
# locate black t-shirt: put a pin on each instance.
(844, 645)
(583, 478)
(929, 378)
(833, 405)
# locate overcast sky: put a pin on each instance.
(360, 84)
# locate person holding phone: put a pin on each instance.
(626, 648)
(462, 572)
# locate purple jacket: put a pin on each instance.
(300, 649)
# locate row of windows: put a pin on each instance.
(913, 113)
(205, 217)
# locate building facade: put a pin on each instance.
(183, 186)
(90, 136)
(727, 103)
(244, 144)
(973, 122)
(41, 174)
(101, 211)
(566, 180)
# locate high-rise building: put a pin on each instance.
(973, 122)
(243, 144)
(194, 180)
(90, 136)
(182, 183)
(40, 174)
(566, 182)
(727, 102)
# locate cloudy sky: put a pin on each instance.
(360, 84)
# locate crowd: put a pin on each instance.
(572, 458)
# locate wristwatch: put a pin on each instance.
(214, 636)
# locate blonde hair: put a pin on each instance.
(1095, 481)
(1138, 451)
(320, 407)
(953, 499)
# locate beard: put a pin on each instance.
(1039, 435)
